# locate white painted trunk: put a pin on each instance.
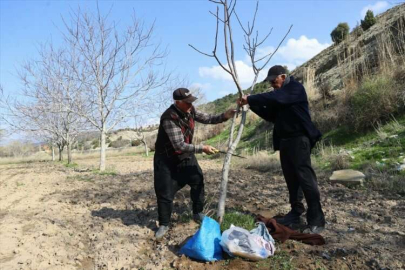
(146, 148)
(227, 163)
(69, 149)
(53, 153)
(102, 151)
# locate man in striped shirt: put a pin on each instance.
(175, 164)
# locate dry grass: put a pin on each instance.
(39, 156)
(204, 132)
(261, 161)
(335, 158)
(370, 80)
(385, 180)
(76, 155)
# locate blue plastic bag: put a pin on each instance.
(204, 245)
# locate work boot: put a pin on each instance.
(313, 229)
(198, 217)
(292, 219)
(161, 232)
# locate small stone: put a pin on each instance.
(79, 258)
(326, 256)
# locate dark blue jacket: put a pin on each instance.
(287, 108)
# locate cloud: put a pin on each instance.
(293, 54)
(245, 73)
(296, 51)
(378, 7)
(201, 86)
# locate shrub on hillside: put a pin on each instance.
(339, 161)
(95, 143)
(374, 101)
(369, 20)
(136, 142)
(340, 33)
(120, 143)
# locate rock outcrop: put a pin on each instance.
(361, 54)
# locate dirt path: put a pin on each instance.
(52, 217)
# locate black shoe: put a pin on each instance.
(290, 220)
(198, 217)
(313, 229)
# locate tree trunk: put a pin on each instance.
(102, 150)
(69, 152)
(69, 149)
(144, 143)
(227, 163)
(146, 148)
(53, 152)
(60, 152)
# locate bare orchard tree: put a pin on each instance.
(42, 106)
(115, 67)
(252, 43)
(2, 131)
(139, 134)
(51, 84)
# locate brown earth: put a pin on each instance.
(53, 217)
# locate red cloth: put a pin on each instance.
(282, 233)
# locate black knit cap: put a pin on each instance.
(183, 94)
(274, 71)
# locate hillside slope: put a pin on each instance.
(358, 55)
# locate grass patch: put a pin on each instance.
(71, 165)
(238, 219)
(280, 260)
(345, 136)
(256, 136)
(383, 147)
(107, 172)
(186, 217)
(386, 181)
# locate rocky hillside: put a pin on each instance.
(359, 55)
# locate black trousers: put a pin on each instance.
(170, 176)
(295, 157)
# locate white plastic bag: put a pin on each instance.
(237, 241)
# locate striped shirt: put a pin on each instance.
(177, 138)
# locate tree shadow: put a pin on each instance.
(140, 217)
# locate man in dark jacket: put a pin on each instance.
(294, 135)
(174, 162)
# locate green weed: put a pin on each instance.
(238, 219)
(108, 172)
(71, 165)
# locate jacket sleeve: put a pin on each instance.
(288, 95)
(264, 112)
(208, 118)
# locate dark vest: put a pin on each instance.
(185, 122)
